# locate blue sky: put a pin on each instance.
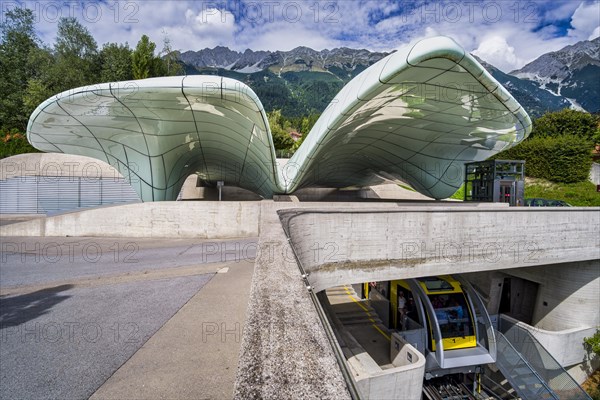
(507, 34)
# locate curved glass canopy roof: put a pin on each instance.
(415, 116)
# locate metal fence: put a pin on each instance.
(48, 194)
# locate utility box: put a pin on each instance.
(495, 181)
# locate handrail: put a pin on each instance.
(437, 333)
(502, 338)
(487, 322)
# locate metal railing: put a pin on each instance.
(540, 361)
(495, 389)
(521, 375)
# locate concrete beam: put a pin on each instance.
(176, 219)
(344, 247)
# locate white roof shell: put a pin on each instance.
(415, 116)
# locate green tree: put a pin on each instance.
(564, 158)
(559, 148)
(36, 92)
(306, 124)
(115, 60)
(281, 138)
(42, 83)
(143, 60)
(12, 143)
(593, 384)
(73, 39)
(76, 55)
(170, 58)
(566, 122)
(17, 40)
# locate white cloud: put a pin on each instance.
(508, 42)
(285, 36)
(211, 24)
(585, 21)
(498, 52)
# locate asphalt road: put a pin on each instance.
(68, 322)
(40, 260)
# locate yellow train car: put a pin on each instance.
(450, 304)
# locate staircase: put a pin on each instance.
(500, 390)
(530, 369)
(522, 377)
(349, 309)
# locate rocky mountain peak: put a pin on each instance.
(558, 65)
(299, 58)
(559, 79)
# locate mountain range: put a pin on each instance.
(303, 81)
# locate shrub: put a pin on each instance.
(566, 122)
(564, 159)
(593, 342)
(12, 143)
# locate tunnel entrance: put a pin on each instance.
(518, 298)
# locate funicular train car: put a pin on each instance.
(441, 316)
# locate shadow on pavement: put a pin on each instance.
(18, 310)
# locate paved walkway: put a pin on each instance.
(163, 320)
(195, 354)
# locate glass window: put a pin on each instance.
(408, 317)
(453, 315)
(436, 284)
(383, 287)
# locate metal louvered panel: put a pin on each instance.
(117, 190)
(46, 194)
(90, 192)
(57, 193)
(18, 195)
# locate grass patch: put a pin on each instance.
(460, 193)
(407, 188)
(581, 194)
(576, 194)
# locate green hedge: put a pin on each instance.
(564, 159)
(567, 122)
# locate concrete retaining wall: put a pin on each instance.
(566, 346)
(204, 220)
(562, 289)
(173, 219)
(404, 381)
(284, 353)
(352, 247)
